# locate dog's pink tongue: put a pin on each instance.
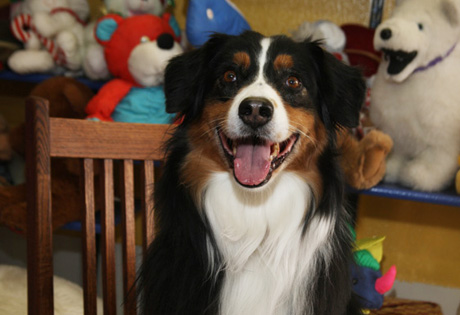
(252, 164)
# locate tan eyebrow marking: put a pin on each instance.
(242, 59)
(283, 61)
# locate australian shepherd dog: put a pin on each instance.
(249, 209)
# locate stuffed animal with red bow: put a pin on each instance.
(137, 50)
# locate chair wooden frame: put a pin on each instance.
(87, 140)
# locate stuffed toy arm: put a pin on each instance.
(101, 106)
(49, 25)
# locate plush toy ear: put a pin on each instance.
(173, 23)
(450, 11)
(105, 28)
(341, 89)
(187, 79)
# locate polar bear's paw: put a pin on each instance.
(393, 168)
(423, 175)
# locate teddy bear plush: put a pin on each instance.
(52, 33)
(137, 50)
(415, 96)
(67, 98)
(363, 160)
(94, 64)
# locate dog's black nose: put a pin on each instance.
(385, 34)
(255, 112)
(165, 41)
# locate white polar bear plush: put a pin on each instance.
(52, 33)
(416, 93)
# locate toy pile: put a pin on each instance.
(58, 36)
(68, 99)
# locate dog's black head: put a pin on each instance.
(255, 105)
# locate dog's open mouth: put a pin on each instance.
(253, 160)
(398, 60)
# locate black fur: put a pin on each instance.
(175, 278)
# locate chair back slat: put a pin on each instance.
(98, 145)
(108, 238)
(89, 239)
(147, 182)
(128, 242)
(106, 140)
(39, 231)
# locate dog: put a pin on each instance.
(249, 209)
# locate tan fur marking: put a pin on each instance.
(283, 62)
(312, 141)
(204, 158)
(242, 59)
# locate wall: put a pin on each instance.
(280, 16)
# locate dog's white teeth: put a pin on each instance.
(276, 151)
(234, 149)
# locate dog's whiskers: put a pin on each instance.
(293, 129)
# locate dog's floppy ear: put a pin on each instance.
(187, 79)
(341, 89)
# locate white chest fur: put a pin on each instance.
(267, 260)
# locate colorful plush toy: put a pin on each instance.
(415, 95)
(205, 17)
(94, 64)
(368, 281)
(52, 33)
(137, 50)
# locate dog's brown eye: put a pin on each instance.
(230, 76)
(293, 82)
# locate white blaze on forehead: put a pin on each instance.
(279, 125)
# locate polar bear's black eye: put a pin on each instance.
(420, 26)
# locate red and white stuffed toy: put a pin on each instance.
(137, 50)
(52, 33)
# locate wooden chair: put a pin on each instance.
(93, 142)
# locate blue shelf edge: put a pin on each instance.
(447, 197)
(39, 77)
